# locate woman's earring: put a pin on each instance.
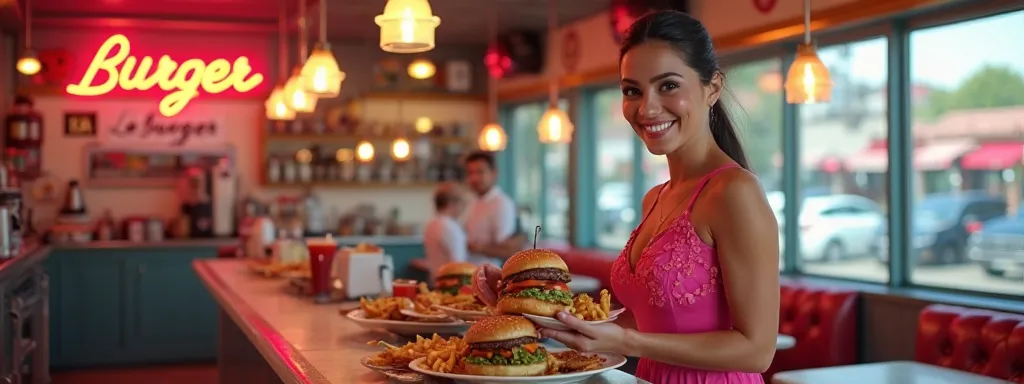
(711, 118)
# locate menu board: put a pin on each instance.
(119, 167)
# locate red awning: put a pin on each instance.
(937, 156)
(994, 156)
(872, 160)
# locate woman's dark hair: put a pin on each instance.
(691, 39)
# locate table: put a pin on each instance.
(783, 342)
(890, 372)
(268, 336)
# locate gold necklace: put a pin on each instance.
(661, 213)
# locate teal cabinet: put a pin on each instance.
(116, 306)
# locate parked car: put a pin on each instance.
(615, 206)
(941, 224)
(832, 227)
(999, 246)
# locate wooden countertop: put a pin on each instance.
(303, 342)
(30, 255)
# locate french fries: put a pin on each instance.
(385, 308)
(442, 355)
(584, 307)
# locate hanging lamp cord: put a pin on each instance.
(492, 83)
(282, 42)
(323, 23)
(552, 25)
(28, 24)
(302, 32)
(807, 22)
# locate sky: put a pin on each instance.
(944, 56)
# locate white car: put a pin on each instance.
(833, 227)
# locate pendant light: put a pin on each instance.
(407, 26)
(277, 108)
(492, 137)
(400, 149)
(808, 80)
(421, 69)
(423, 125)
(295, 94)
(28, 64)
(321, 75)
(554, 126)
(364, 151)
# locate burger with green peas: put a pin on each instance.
(455, 278)
(534, 282)
(504, 346)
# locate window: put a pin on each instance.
(542, 178)
(526, 148)
(843, 161)
(754, 98)
(966, 224)
(615, 139)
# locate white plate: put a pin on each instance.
(408, 328)
(611, 362)
(463, 314)
(553, 323)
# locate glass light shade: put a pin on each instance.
(407, 26)
(364, 151)
(555, 127)
(424, 125)
(492, 138)
(296, 97)
(321, 75)
(400, 149)
(808, 81)
(277, 109)
(28, 64)
(422, 69)
(344, 155)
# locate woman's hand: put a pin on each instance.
(605, 337)
(486, 280)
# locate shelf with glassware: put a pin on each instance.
(351, 154)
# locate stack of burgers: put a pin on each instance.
(532, 282)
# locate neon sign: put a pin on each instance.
(183, 81)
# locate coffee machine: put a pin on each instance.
(208, 199)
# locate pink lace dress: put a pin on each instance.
(676, 288)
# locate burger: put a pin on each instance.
(452, 277)
(504, 346)
(533, 282)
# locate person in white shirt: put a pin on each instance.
(444, 241)
(491, 222)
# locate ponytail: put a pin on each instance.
(725, 135)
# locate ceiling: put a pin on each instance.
(462, 21)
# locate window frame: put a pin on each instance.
(896, 30)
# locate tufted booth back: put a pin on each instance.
(824, 323)
(974, 340)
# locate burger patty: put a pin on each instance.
(504, 344)
(547, 274)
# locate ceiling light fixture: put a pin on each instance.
(808, 80)
(407, 26)
(321, 75)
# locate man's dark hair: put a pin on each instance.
(486, 157)
(445, 196)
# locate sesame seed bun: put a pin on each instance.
(500, 328)
(456, 269)
(511, 304)
(506, 370)
(532, 259)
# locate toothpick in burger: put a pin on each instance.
(455, 278)
(534, 282)
(504, 346)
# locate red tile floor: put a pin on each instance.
(168, 374)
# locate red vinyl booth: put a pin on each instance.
(974, 340)
(824, 322)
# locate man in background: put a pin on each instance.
(491, 222)
(444, 241)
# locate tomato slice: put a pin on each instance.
(466, 290)
(532, 347)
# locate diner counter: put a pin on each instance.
(270, 336)
(227, 241)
